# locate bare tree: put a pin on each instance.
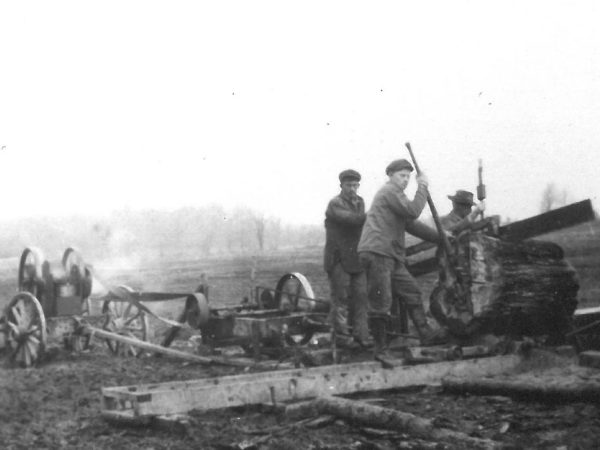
(259, 223)
(549, 197)
(553, 198)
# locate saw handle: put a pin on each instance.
(436, 218)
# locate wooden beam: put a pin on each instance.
(277, 386)
(168, 351)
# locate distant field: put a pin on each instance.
(229, 277)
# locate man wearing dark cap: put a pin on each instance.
(344, 220)
(382, 252)
(462, 215)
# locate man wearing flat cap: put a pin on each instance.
(344, 220)
(462, 215)
(382, 252)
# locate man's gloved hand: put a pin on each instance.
(476, 211)
(422, 179)
(450, 236)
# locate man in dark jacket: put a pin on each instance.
(344, 219)
(382, 252)
(462, 215)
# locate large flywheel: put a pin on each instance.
(294, 293)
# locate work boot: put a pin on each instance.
(378, 326)
(346, 342)
(427, 335)
(360, 333)
(364, 342)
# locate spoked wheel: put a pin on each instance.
(294, 293)
(25, 329)
(30, 271)
(126, 319)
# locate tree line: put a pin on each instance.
(195, 231)
(190, 231)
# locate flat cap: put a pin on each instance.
(349, 174)
(398, 164)
(462, 197)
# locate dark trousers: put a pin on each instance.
(388, 278)
(349, 301)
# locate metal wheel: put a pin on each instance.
(72, 260)
(124, 318)
(196, 314)
(294, 293)
(25, 330)
(75, 268)
(30, 270)
(197, 311)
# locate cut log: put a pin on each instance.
(379, 417)
(527, 388)
(523, 288)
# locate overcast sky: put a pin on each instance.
(166, 104)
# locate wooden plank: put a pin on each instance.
(553, 220)
(278, 386)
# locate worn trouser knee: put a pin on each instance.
(378, 270)
(405, 287)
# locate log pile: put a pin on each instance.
(509, 288)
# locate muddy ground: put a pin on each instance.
(57, 404)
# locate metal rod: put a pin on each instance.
(303, 297)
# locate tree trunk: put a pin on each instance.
(531, 388)
(378, 417)
(509, 288)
